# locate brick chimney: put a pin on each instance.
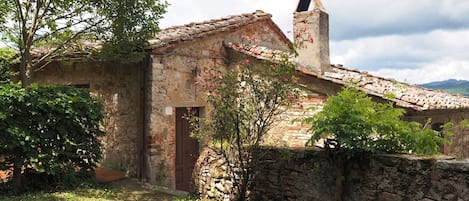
(307, 25)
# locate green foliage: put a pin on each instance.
(121, 27)
(351, 120)
(133, 22)
(7, 57)
(161, 175)
(450, 127)
(49, 129)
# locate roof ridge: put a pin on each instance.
(194, 30)
(258, 13)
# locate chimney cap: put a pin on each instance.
(303, 5)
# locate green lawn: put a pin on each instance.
(127, 190)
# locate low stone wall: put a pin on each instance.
(288, 174)
(211, 176)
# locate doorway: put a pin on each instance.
(187, 148)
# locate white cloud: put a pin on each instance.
(402, 51)
(362, 18)
(396, 38)
(455, 9)
(436, 71)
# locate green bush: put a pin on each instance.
(48, 129)
(352, 121)
(351, 124)
(7, 57)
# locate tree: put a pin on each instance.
(48, 129)
(352, 123)
(244, 103)
(121, 26)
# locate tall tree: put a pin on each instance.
(121, 27)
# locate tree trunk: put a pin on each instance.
(17, 166)
(25, 72)
(244, 185)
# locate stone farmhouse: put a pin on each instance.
(147, 136)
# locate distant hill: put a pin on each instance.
(451, 86)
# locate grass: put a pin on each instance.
(121, 191)
(81, 194)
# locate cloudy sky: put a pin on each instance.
(416, 41)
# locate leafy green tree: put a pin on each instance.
(121, 26)
(244, 103)
(7, 56)
(48, 129)
(350, 123)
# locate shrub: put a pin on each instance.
(7, 57)
(352, 121)
(351, 124)
(48, 129)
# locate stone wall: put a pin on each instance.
(299, 174)
(212, 178)
(289, 130)
(118, 86)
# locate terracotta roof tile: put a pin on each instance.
(413, 96)
(405, 95)
(193, 31)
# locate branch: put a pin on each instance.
(22, 23)
(66, 15)
(43, 66)
(76, 35)
(33, 28)
(61, 29)
(44, 57)
(46, 9)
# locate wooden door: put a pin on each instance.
(187, 149)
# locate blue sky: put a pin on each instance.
(416, 41)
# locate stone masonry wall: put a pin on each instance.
(173, 84)
(289, 130)
(299, 174)
(117, 86)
